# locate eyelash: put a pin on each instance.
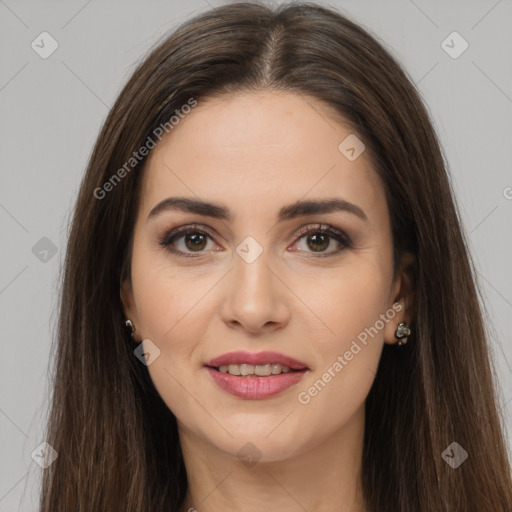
(345, 242)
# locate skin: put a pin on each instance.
(255, 153)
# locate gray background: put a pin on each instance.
(52, 109)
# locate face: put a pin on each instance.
(257, 273)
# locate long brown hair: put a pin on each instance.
(117, 441)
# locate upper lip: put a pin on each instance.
(259, 358)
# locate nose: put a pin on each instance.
(256, 300)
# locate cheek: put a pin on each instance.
(172, 315)
(167, 297)
(342, 303)
(348, 349)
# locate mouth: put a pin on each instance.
(259, 370)
(256, 376)
(262, 364)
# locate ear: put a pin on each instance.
(402, 296)
(126, 294)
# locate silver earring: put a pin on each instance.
(401, 334)
(130, 326)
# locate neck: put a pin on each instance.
(325, 476)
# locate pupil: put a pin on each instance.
(315, 237)
(194, 238)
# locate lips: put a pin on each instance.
(255, 387)
(259, 358)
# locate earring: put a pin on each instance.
(130, 326)
(401, 334)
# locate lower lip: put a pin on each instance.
(254, 388)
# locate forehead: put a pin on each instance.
(254, 149)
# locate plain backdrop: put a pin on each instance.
(52, 109)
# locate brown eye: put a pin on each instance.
(185, 241)
(195, 241)
(318, 239)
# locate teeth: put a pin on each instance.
(233, 369)
(261, 370)
(276, 369)
(246, 369)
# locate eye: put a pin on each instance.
(184, 241)
(318, 238)
(194, 240)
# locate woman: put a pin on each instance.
(267, 211)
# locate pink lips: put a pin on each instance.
(255, 387)
(258, 358)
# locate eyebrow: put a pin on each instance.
(217, 211)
